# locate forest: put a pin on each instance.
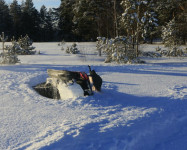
(85, 20)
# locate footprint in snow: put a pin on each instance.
(178, 92)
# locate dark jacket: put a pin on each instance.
(97, 80)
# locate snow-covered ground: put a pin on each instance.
(141, 106)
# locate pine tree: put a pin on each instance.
(5, 19)
(25, 44)
(100, 15)
(149, 21)
(171, 38)
(138, 18)
(170, 9)
(87, 19)
(84, 21)
(46, 24)
(106, 17)
(66, 17)
(16, 15)
(8, 55)
(31, 20)
(55, 18)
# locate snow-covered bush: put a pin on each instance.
(163, 52)
(118, 50)
(62, 43)
(101, 44)
(151, 54)
(173, 52)
(25, 44)
(8, 57)
(171, 38)
(73, 49)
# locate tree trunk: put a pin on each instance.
(115, 20)
(137, 33)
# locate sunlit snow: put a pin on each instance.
(140, 107)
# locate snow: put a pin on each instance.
(141, 106)
(72, 91)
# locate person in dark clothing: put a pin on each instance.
(83, 80)
(95, 80)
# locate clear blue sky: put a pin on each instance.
(39, 3)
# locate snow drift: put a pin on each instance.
(139, 107)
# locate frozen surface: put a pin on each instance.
(141, 107)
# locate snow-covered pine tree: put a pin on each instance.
(8, 56)
(171, 38)
(118, 50)
(73, 49)
(137, 18)
(170, 9)
(25, 44)
(55, 18)
(101, 44)
(149, 22)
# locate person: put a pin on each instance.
(95, 80)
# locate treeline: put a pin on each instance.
(20, 20)
(85, 20)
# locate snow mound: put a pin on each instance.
(69, 90)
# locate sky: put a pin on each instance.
(39, 3)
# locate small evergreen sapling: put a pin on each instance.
(171, 38)
(73, 49)
(25, 44)
(8, 55)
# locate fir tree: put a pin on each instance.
(170, 9)
(45, 25)
(84, 21)
(31, 20)
(66, 17)
(171, 38)
(138, 18)
(5, 19)
(149, 21)
(16, 15)
(8, 55)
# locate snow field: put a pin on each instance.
(140, 106)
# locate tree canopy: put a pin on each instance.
(85, 20)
